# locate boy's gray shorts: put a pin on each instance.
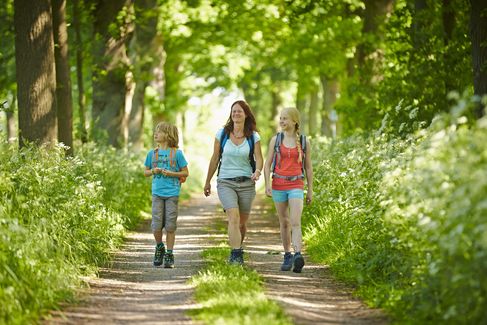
(164, 213)
(234, 194)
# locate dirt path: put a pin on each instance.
(132, 291)
(310, 297)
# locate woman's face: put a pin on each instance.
(238, 114)
(286, 122)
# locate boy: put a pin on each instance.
(168, 168)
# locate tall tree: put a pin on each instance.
(77, 7)
(113, 28)
(478, 34)
(147, 49)
(35, 70)
(63, 81)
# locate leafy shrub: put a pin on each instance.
(405, 220)
(59, 218)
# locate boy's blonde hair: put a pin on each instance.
(293, 113)
(171, 133)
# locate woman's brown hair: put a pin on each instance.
(249, 126)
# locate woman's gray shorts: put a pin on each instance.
(164, 213)
(235, 194)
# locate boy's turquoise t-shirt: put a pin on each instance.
(164, 185)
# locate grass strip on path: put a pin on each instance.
(232, 294)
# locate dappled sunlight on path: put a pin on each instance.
(132, 291)
(310, 297)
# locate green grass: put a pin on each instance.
(232, 294)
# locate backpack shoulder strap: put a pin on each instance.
(155, 157)
(302, 139)
(251, 142)
(303, 142)
(223, 139)
(276, 158)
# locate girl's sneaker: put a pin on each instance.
(159, 254)
(169, 261)
(287, 264)
(298, 263)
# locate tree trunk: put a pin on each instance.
(301, 106)
(79, 71)
(148, 48)
(375, 14)
(110, 71)
(276, 102)
(63, 81)
(478, 35)
(136, 119)
(330, 91)
(313, 112)
(36, 76)
(448, 15)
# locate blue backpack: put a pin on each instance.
(250, 140)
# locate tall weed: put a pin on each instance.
(405, 220)
(59, 218)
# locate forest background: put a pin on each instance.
(379, 84)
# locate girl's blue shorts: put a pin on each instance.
(285, 195)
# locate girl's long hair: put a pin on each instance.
(293, 113)
(249, 126)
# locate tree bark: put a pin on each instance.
(374, 16)
(313, 113)
(110, 71)
(478, 35)
(330, 91)
(79, 71)
(63, 81)
(148, 48)
(301, 106)
(35, 69)
(276, 102)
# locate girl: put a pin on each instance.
(289, 160)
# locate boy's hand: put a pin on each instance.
(157, 170)
(165, 172)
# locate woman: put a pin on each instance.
(238, 156)
(289, 157)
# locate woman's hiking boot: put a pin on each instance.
(287, 264)
(169, 260)
(159, 254)
(236, 256)
(298, 263)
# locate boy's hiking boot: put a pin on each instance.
(159, 254)
(287, 264)
(298, 263)
(236, 256)
(169, 260)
